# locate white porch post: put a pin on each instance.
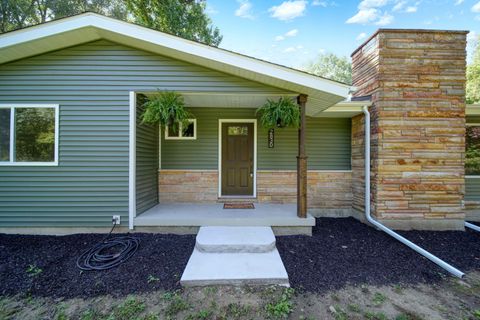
(132, 159)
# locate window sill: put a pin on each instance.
(31, 164)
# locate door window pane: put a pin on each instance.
(35, 134)
(237, 131)
(472, 158)
(5, 134)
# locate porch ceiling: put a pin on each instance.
(255, 100)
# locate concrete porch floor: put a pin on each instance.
(213, 214)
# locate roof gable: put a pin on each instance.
(88, 27)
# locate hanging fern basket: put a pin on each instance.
(166, 108)
(279, 114)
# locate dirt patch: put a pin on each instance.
(448, 299)
(343, 252)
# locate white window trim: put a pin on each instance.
(222, 121)
(12, 108)
(180, 132)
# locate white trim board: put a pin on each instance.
(12, 108)
(222, 121)
(132, 160)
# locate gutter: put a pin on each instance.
(382, 227)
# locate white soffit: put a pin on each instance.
(87, 27)
(344, 109)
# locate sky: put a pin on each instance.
(294, 32)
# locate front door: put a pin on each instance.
(237, 159)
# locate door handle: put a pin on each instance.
(251, 174)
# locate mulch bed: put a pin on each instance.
(347, 252)
(340, 252)
(163, 257)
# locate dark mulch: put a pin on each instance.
(347, 252)
(162, 256)
(340, 252)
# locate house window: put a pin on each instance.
(28, 134)
(472, 148)
(181, 131)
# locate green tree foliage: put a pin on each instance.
(472, 157)
(183, 18)
(16, 14)
(473, 76)
(331, 66)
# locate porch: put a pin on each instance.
(213, 214)
(180, 180)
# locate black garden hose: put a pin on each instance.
(95, 258)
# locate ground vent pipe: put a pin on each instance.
(472, 226)
(380, 226)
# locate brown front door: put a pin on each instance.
(237, 159)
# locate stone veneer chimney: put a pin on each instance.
(416, 79)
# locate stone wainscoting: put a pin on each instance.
(188, 186)
(329, 192)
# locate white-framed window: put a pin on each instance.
(182, 132)
(29, 134)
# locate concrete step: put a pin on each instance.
(234, 256)
(235, 239)
(205, 269)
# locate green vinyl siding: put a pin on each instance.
(328, 143)
(91, 83)
(472, 185)
(147, 163)
(472, 189)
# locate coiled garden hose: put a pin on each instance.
(99, 257)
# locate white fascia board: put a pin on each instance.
(201, 53)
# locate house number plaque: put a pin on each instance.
(271, 138)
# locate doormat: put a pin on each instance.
(238, 206)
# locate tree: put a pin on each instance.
(331, 66)
(183, 18)
(473, 76)
(17, 14)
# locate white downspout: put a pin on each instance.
(380, 226)
(472, 226)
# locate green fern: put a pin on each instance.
(166, 108)
(282, 113)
